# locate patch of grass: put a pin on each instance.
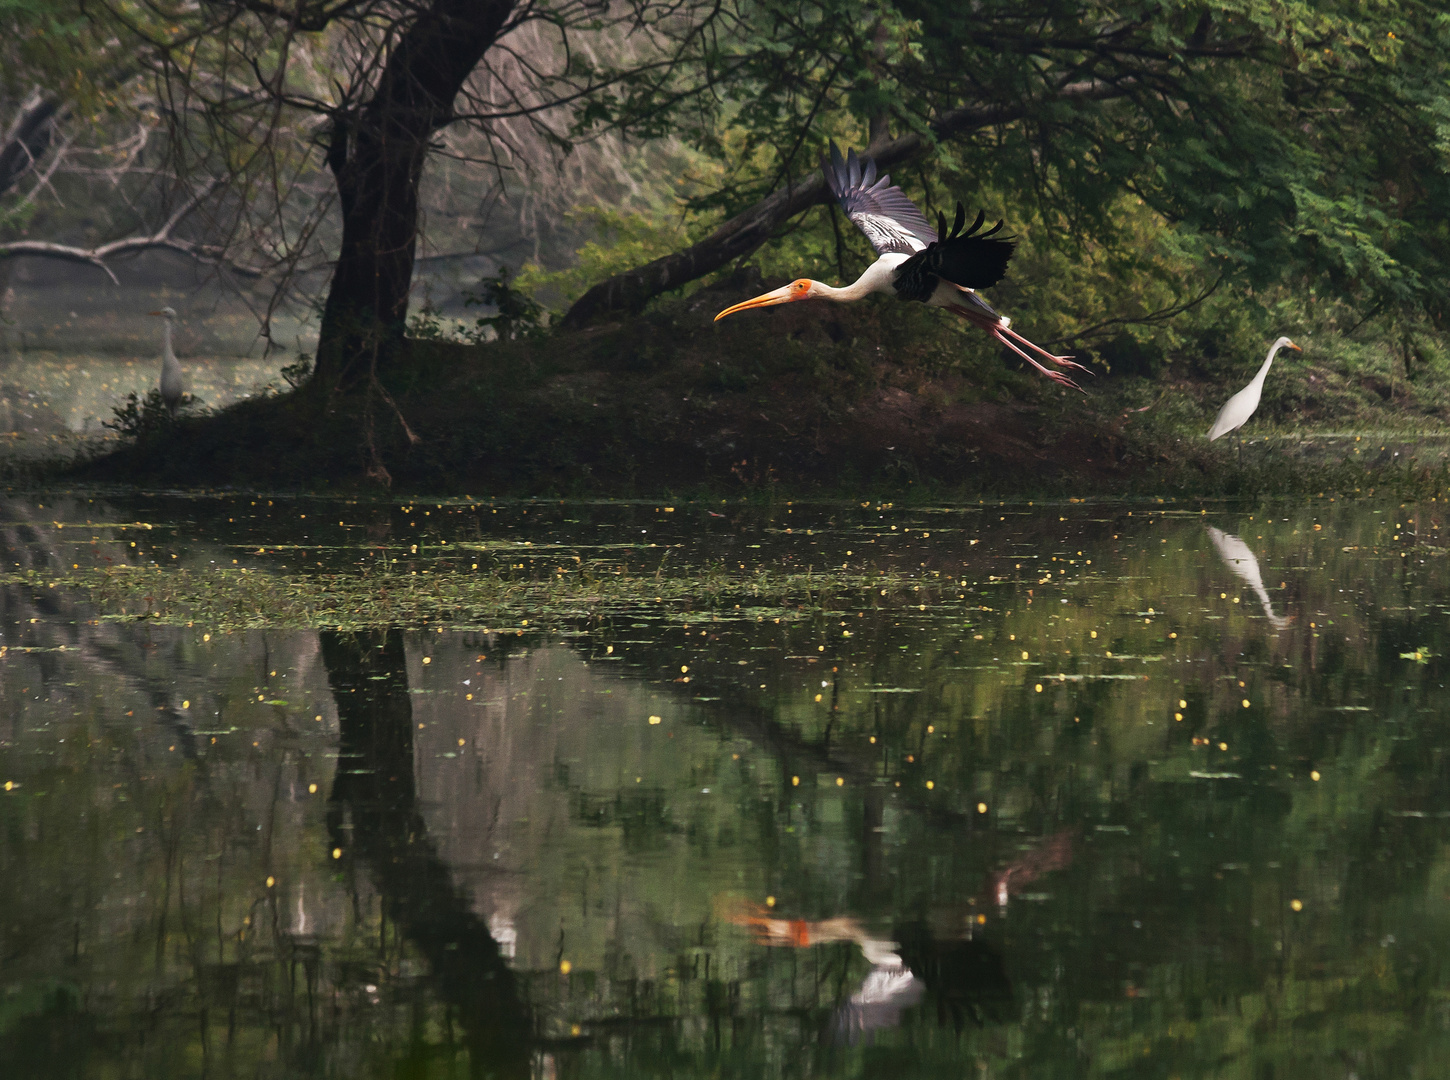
(244, 598)
(877, 399)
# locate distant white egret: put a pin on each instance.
(171, 389)
(1242, 405)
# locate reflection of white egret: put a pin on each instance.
(1240, 559)
(171, 388)
(1242, 405)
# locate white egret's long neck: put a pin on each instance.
(1268, 360)
(166, 353)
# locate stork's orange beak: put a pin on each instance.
(796, 290)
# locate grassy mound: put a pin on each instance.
(854, 400)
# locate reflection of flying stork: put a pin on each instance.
(964, 974)
(1237, 409)
(917, 262)
(888, 989)
(171, 387)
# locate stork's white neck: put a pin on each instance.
(877, 279)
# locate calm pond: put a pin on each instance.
(1090, 789)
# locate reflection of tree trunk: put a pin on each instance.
(375, 789)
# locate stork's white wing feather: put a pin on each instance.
(891, 221)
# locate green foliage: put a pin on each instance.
(623, 240)
(146, 418)
(1285, 142)
(298, 372)
(518, 314)
(428, 324)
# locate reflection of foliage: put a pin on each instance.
(1168, 945)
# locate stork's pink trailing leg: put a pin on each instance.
(1060, 361)
(993, 325)
(1056, 376)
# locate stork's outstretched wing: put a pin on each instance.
(971, 259)
(881, 210)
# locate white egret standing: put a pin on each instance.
(1242, 405)
(171, 389)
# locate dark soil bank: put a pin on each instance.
(807, 398)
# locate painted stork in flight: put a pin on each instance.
(916, 261)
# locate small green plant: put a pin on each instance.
(141, 418)
(297, 372)
(519, 314)
(426, 324)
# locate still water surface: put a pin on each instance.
(1089, 790)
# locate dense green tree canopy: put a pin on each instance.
(1300, 143)
(1292, 139)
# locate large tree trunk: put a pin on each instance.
(376, 157)
(742, 234)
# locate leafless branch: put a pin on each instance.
(161, 239)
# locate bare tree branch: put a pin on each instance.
(28, 138)
(161, 239)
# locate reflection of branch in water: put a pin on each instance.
(375, 792)
(1238, 557)
(105, 647)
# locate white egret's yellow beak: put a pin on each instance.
(1295, 347)
(796, 290)
(155, 313)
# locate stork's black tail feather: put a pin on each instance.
(966, 258)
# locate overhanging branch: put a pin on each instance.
(161, 239)
(746, 231)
